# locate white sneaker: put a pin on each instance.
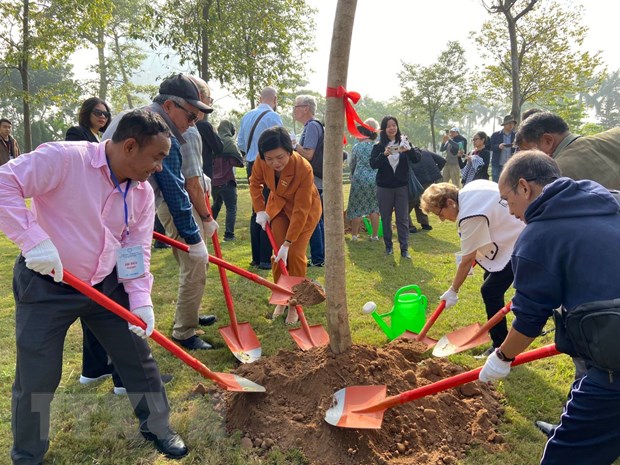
(374, 238)
(87, 380)
(120, 391)
(353, 238)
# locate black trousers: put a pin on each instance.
(261, 248)
(44, 312)
(493, 289)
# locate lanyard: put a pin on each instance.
(118, 187)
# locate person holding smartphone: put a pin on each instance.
(389, 158)
(502, 146)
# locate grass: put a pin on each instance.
(92, 426)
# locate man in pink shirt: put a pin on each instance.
(90, 207)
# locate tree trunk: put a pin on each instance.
(103, 66)
(121, 65)
(335, 282)
(516, 67)
(23, 70)
(204, 58)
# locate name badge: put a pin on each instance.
(130, 263)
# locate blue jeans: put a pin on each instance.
(317, 240)
(227, 195)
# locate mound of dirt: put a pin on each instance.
(436, 429)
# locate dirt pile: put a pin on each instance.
(437, 429)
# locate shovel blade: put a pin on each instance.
(429, 341)
(343, 413)
(460, 340)
(318, 337)
(236, 383)
(247, 347)
(287, 282)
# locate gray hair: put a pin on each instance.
(307, 100)
(533, 166)
(163, 98)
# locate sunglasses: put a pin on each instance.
(99, 113)
(191, 117)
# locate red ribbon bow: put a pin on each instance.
(349, 99)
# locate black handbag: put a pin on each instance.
(415, 188)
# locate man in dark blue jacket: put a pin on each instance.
(502, 146)
(567, 257)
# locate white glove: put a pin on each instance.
(262, 218)
(145, 314)
(207, 182)
(210, 227)
(494, 369)
(282, 254)
(451, 297)
(199, 253)
(404, 143)
(43, 258)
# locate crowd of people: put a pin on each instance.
(525, 226)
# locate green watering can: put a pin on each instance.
(408, 312)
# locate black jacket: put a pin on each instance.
(80, 133)
(386, 177)
(211, 144)
(428, 170)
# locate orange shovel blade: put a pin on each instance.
(236, 383)
(318, 337)
(460, 340)
(246, 348)
(287, 282)
(347, 401)
(429, 341)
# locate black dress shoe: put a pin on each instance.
(264, 265)
(546, 428)
(427, 227)
(206, 320)
(171, 445)
(413, 229)
(193, 343)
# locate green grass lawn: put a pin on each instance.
(92, 426)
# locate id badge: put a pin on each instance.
(130, 263)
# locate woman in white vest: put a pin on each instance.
(488, 233)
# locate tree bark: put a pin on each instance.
(121, 65)
(103, 65)
(335, 277)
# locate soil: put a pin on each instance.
(307, 294)
(437, 429)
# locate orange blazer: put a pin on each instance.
(295, 195)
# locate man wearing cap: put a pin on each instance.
(79, 191)
(594, 157)
(252, 126)
(502, 146)
(178, 103)
(454, 145)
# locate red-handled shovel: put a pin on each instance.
(364, 406)
(281, 292)
(469, 336)
(430, 342)
(239, 337)
(226, 381)
(306, 337)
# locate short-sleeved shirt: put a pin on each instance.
(475, 235)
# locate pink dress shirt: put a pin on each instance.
(77, 206)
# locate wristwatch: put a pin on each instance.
(502, 357)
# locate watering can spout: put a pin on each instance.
(383, 325)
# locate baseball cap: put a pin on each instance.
(182, 86)
(455, 129)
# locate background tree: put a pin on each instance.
(35, 36)
(534, 56)
(244, 44)
(442, 88)
(605, 99)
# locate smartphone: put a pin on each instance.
(394, 149)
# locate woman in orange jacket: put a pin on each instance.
(293, 208)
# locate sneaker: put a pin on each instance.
(87, 380)
(389, 251)
(545, 428)
(427, 227)
(229, 238)
(485, 354)
(264, 266)
(311, 263)
(405, 254)
(353, 238)
(374, 238)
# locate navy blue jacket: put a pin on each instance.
(568, 254)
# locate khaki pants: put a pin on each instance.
(452, 173)
(192, 279)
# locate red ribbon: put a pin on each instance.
(349, 99)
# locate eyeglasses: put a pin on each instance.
(504, 202)
(297, 106)
(191, 117)
(99, 113)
